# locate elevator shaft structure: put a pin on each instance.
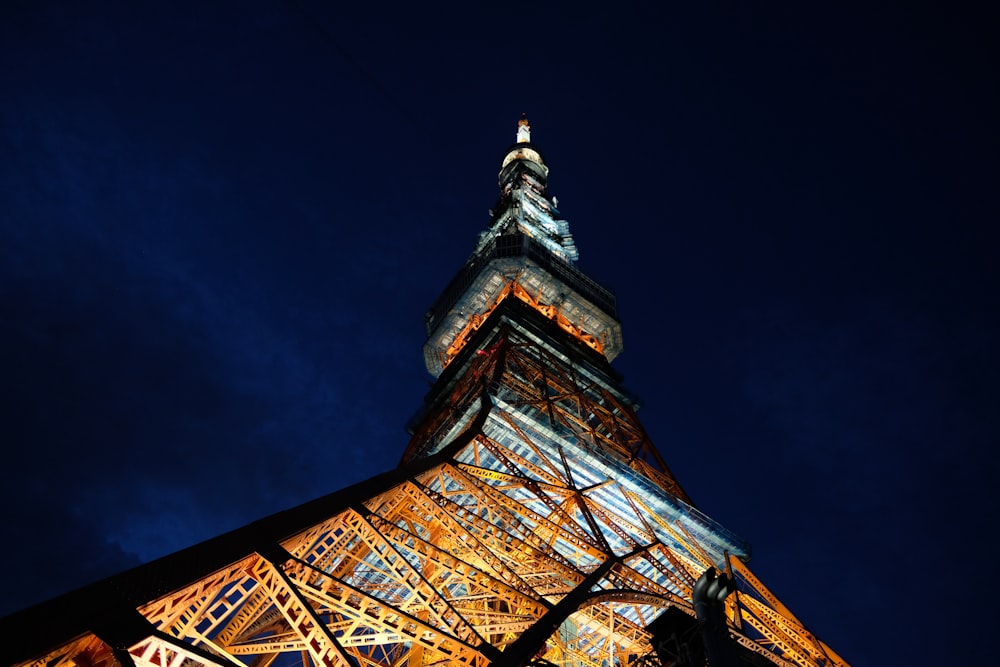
(530, 520)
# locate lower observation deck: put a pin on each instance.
(517, 264)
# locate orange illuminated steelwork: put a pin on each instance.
(513, 287)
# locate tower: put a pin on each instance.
(530, 519)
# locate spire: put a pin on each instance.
(529, 255)
(523, 130)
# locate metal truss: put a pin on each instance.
(531, 521)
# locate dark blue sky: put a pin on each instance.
(221, 224)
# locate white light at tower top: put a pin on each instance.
(523, 130)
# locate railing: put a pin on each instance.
(519, 245)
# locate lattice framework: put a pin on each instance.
(533, 517)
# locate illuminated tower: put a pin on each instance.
(530, 519)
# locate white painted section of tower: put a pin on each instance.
(523, 131)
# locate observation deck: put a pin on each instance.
(515, 264)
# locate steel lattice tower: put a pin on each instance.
(531, 519)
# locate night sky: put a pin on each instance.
(221, 224)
